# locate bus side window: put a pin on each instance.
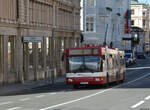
(107, 65)
(67, 65)
(101, 66)
(104, 57)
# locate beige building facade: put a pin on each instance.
(33, 37)
(140, 17)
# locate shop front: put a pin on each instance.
(33, 51)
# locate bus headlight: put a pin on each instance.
(97, 79)
(70, 80)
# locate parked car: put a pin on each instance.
(129, 59)
(141, 55)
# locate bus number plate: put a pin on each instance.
(84, 83)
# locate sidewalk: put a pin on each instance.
(10, 89)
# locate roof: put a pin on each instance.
(134, 2)
(136, 29)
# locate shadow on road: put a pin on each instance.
(134, 80)
(60, 87)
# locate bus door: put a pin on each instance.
(117, 67)
(104, 64)
(110, 66)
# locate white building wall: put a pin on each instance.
(104, 17)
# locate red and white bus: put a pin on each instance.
(94, 65)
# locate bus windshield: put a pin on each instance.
(84, 64)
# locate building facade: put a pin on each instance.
(33, 37)
(140, 17)
(104, 22)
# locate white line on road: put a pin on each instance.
(138, 68)
(52, 93)
(15, 108)
(137, 79)
(5, 103)
(138, 104)
(40, 96)
(147, 98)
(89, 96)
(25, 99)
(75, 100)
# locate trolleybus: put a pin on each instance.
(94, 65)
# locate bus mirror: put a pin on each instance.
(103, 57)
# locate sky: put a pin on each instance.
(148, 1)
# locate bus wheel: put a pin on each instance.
(123, 78)
(117, 78)
(76, 86)
(107, 81)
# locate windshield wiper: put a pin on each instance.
(83, 68)
(91, 70)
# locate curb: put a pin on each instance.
(30, 87)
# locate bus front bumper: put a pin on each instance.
(86, 80)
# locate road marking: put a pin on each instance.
(5, 103)
(136, 79)
(132, 71)
(54, 106)
(138, 68)
(147, 98)
(138, 104)
(92, 95)
(25, 99)
(15, 108)
(52, 93)
(40, 96)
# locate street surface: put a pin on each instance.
(133, 94)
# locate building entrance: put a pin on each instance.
(33, 60)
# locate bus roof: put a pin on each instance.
(84, 51)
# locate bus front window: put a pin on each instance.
(75, 63)
(85, 64)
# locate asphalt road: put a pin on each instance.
(133, 94)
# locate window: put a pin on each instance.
(31, 11)
(11, 54)
(8, 9)
(40, 13)
(1, 48)
(110, 62)
(144, 13)
(30, 47)
(40, 56)
(90, 24)
(90, 2)
(47, 52)
(132, 22)
(144, 22)
(132, 12)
